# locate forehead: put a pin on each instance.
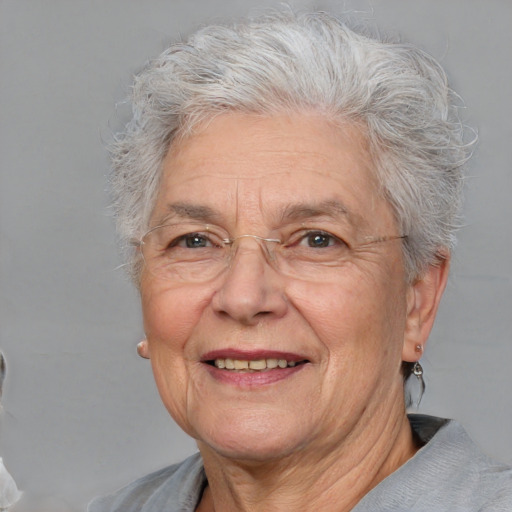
(263, 164)
(298, 143)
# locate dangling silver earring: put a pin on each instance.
(417, 369)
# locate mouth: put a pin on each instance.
(253, 365)
(253, 368)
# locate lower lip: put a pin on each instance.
(253, 379)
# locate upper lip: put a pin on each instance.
(251, 355)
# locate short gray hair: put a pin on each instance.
(284, 62)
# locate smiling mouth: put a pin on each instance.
(255, 365)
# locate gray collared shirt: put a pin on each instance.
(448, 474)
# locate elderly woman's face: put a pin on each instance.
(341, 324)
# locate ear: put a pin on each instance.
(143, 349)
(423, 298)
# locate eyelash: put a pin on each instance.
(307, 235)
(296, 239)
(184, 238)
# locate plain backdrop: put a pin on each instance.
(81, 415)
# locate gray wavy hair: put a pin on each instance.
(285, 62)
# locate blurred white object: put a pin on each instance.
(9, 493)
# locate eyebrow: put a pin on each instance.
(330, 208)
(190, 211)
(293, 212)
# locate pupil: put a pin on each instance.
(318, 240)
(194, 241)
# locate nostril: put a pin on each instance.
(249, 291)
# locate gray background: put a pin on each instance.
(81, 415)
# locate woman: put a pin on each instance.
(292, 188)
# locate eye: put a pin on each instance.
(319, 240)
(192, 241)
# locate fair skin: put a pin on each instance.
(320, 435)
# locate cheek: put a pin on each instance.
(170, 314)
(170, 318)
(358, 313)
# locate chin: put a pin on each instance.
(257, 439)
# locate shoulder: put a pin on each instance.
(458, 472)
(449, 473)
(176, 487)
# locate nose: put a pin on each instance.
(251, 289)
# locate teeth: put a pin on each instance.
(257, 364)
(260, 364)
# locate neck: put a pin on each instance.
(334, 478)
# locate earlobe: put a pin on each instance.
(143, 349)
(423, 298)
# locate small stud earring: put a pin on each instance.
(142, 349)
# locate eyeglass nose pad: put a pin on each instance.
(267, 246)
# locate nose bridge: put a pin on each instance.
(241, 245)
(250, 288)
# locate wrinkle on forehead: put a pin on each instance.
(269, 170)
(290, 145)
(282, 214)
